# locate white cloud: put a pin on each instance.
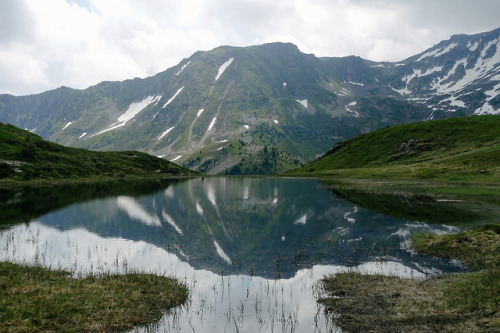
(78, 43)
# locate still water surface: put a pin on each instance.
(251, 250)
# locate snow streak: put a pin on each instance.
(223, 68)
(173, 97)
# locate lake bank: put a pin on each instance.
(38, 299)
(463, 302)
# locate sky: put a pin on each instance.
(79, 43)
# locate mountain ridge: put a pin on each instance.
(269, 95)
(25, 156)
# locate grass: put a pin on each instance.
(35, 299)
(449, 303)
(477, 248)
(456, 149)
(25, 156)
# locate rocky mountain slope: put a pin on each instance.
(460, 74)
(267, 108)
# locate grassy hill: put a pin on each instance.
(455, 149)
(26, 156)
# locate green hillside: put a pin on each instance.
(26, 156)
(457, 149)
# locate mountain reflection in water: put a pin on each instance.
(250, 249)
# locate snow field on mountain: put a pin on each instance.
(69, 123)
(348, 108)
(223, 68)
(173, 97)
(132, 111)
(486, 108)
(182, 68)
(212, 123)
(165, 133)
(418, 73)
(438, 52)
(454, 101)
(472, 47)
(481, 68)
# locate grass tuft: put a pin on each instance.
(451, 303)
(36, 299)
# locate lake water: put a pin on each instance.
(251, 250)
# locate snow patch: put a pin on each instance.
(246, 126)
(83, 134)
(173, 97)
(481, 69)
(212, 123)
(418, 73)
(348, 108)
(302, 102)
(487, 108)
(134, 109)
(165, 133)
(357, 83)
(156, 99)
(438, 52)
(276, 121)
(176, 158)
(284, 84)
(200, 112)
(182, 68)
(131, 112)
(220, 148)
(404, 91)
(223, 68)
(69, 123)
(454, 102)
(472, 47)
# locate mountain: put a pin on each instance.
(461, 74)
(264, 109)
(458, 149)
(26, 156)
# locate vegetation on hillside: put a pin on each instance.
(26, 156)
(458, 302)
(464, 149)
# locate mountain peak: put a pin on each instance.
(265, 108)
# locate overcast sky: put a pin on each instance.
(79, 43)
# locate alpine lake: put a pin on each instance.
(251, 250)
